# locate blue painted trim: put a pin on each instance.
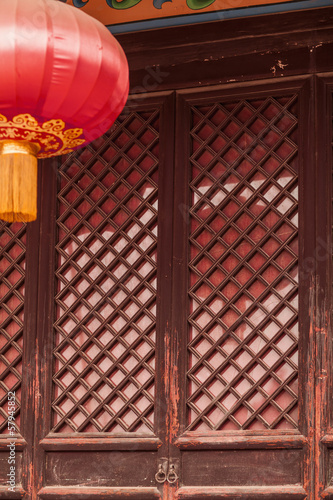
(218, 15)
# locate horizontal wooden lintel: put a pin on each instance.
(241, 442)
(249, 492)
(59, 493)
(56, 443)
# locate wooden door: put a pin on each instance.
(172, 344)
(108, 288)
(243, 428)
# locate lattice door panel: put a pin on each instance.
(243, 295)
(12, 288)
(106, 282)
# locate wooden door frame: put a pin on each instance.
(227, 51)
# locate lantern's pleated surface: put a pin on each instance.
(59, 63)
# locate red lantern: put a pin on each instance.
(64, 81)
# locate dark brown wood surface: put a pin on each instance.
(181, 72)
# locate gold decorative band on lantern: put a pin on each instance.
(18, 181)
(51, 136)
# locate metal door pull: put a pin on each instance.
(172, 475)
(160, 475)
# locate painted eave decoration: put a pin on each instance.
(113, 12)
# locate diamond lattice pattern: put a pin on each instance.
(243, 329)
(106, 299)
(12, 277)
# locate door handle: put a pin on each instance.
(172, 474)
(160, 475)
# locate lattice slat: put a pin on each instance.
(12, 282)
(243, 330)
(106, 276)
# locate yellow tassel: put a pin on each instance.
(18, 181)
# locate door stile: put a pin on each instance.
(180, 251)
(45, 310)
(181, 219)
(29, 351)
(323, 253)
(307, 283)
